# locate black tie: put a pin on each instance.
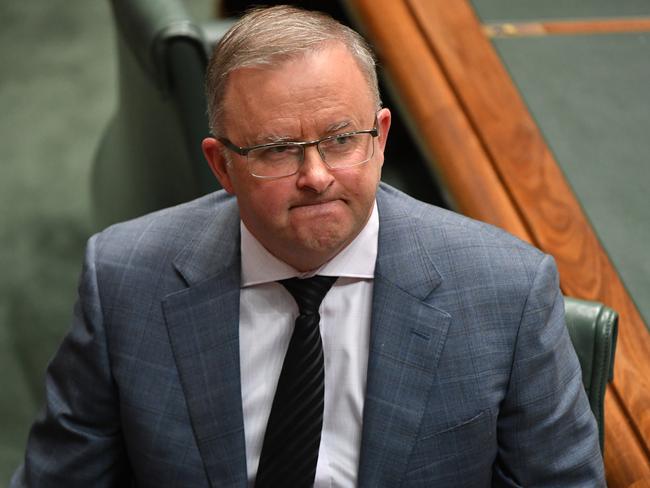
(290, 450)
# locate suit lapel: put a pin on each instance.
(203, 325)
(407, 337)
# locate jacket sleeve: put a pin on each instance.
(547, 434)
(76, 439)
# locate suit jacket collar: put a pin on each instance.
(404, 256)
(215, 250)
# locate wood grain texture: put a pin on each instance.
(490, 152)
(623, 462)
(644, 483)
(567, 27)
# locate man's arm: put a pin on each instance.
(547, 433)
(76, 440)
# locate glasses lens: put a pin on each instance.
(347, 150)
(275, 161)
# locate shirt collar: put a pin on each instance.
(356, 260)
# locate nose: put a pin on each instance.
(314, 175)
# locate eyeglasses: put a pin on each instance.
(280, 159)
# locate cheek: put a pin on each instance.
(267, 207)
(363, 185)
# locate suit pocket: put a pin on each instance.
(463, 453)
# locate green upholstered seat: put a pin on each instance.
(150, 156)
(593, 329)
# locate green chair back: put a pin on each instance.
(150, 155)
(593, 328)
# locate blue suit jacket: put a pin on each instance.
(472, 379)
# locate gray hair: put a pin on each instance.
(264, 36)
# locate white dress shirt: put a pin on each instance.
(267, 314)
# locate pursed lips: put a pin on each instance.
(316, 205)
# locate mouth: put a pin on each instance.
(317, 206)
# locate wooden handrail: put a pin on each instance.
(493, 159)
(566, 27)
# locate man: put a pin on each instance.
(446, 359)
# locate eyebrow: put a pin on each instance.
(337, 126)
(272, 139)
(329, 130)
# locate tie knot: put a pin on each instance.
(309, 293)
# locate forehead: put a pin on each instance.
(296, 95)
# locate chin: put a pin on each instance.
(325, 240)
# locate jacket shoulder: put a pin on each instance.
(456, 246)
(457, 229)
(164, 232)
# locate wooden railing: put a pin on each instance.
(491, 157)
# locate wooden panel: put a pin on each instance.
(621, 467)
(471, 117)
(644, 483)
(590, 26)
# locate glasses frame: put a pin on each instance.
(243, 151)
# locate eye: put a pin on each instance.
(342, 140)
(277, 149)
(276, 153)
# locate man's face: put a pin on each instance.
(307, 218)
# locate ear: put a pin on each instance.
(213, 152)
(383, 124)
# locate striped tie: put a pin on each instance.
(290, 450)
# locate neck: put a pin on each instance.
(306, 262)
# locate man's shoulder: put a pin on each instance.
(168, 230)
(451, 241)
(444, 226)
